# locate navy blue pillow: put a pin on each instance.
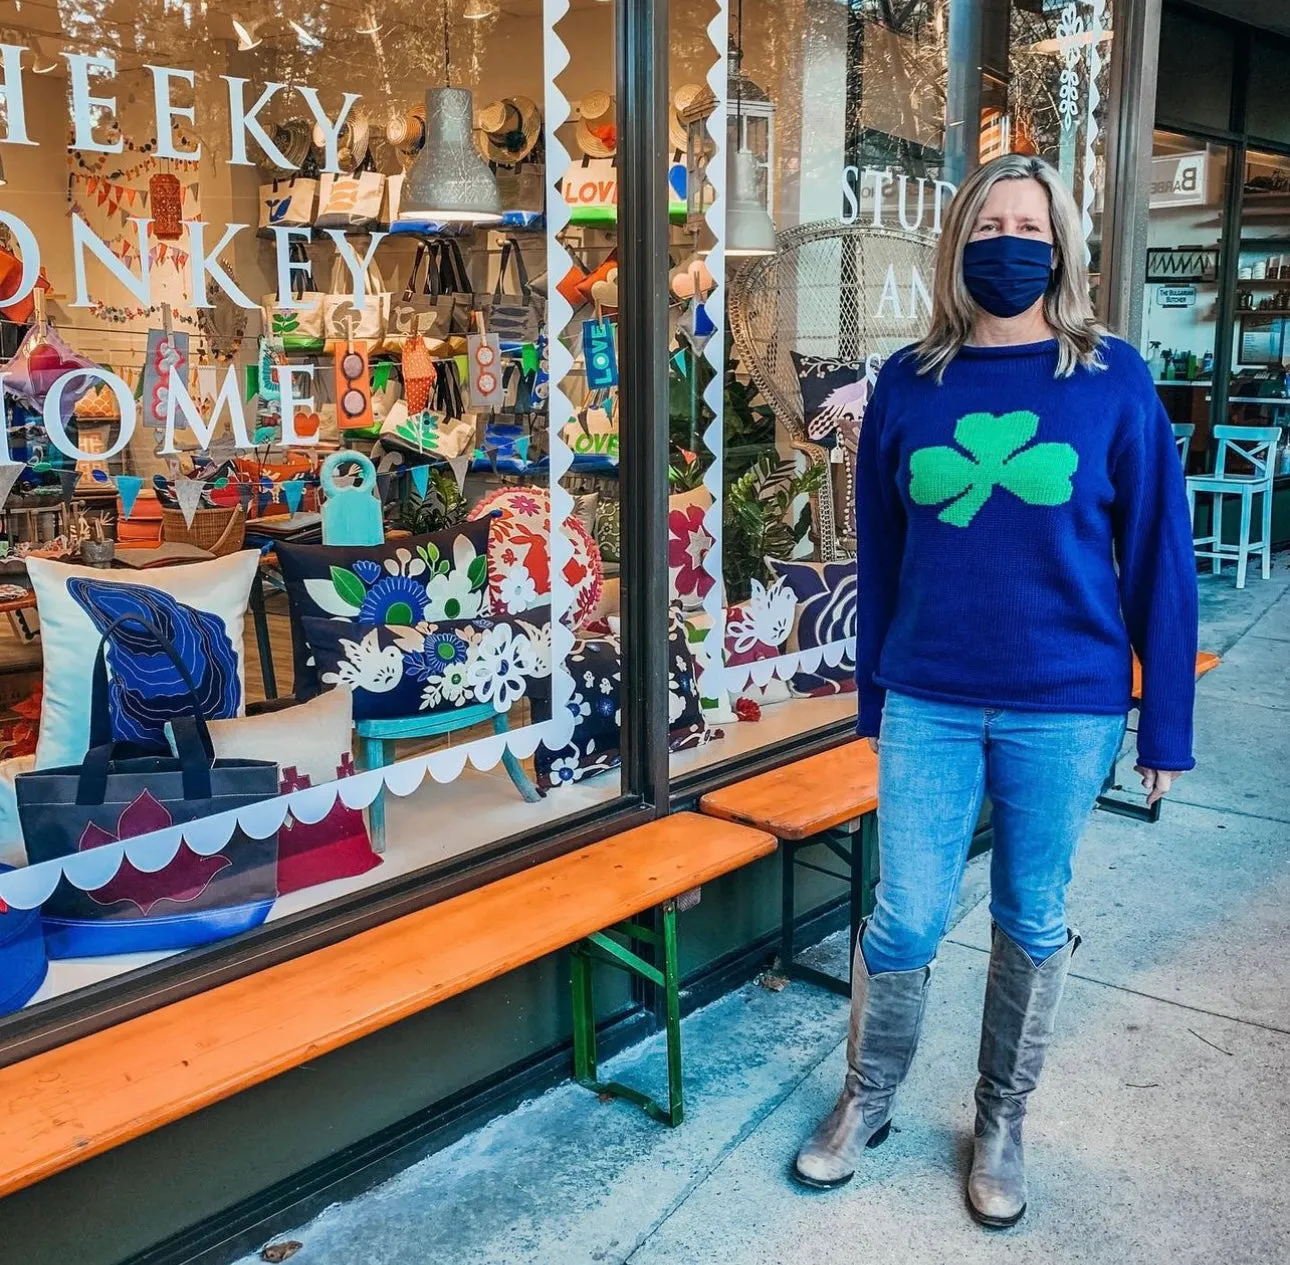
(436, 667)
(826, 613)
(443, 575)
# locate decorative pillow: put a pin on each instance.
(826, 613)
(758, 629)
(443, 575)
(144, 688)
(688, 543)
(435, 667)
(609, 530)
(716, 709)
(596, 667)
(519, 560)
(311, 744)
(220, 588)
(834, 393)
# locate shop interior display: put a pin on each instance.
(282, 450)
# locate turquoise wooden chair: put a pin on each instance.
(347, 519)
(1255, 450)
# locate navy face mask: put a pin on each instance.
(1007, 275)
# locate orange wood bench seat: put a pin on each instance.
(1206, 661)
(804, 798)
(83, 1098)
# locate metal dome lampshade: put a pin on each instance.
(749, 229)
(449, 182)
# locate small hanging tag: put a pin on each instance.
(127, 488)
(598, 352)
(188, 492)
(484, 355)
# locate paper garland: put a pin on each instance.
(128, 487)
(421, 479)
(9, 472)
(460, 465)
(188, 492)
(293, 492)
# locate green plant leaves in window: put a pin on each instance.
(998, 457)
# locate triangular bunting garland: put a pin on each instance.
(293, 491)
(68, 479)
(421, 479)
(9, 473)
(188, 492)
(127, 488)
(459, 467)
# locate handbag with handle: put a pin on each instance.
(117, 794)
(297, 329)
(344, 320)
(288, 203)
(353, 202)
(513, 315)
(422, 310)
(454, 281)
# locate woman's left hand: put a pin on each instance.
(1156, 782)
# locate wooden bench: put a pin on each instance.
(1206, 661)
(829, 799)
(82, 1099)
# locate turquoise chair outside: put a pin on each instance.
(350, 522)
(1256, 446)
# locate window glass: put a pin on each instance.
(239, 245)
(1180, 305)
(1261, 330)
(1195, 71)
(1267, 109)
(820, 268)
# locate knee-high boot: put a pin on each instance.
(886, 1018)
(1021, 1001)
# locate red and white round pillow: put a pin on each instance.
(519, 558)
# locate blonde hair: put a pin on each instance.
(1067, 306)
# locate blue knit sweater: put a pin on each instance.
(1018, 533)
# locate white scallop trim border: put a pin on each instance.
(785, 666)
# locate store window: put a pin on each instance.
(800, 265)
(1261, 329)
(298, 441)
(1184, 249)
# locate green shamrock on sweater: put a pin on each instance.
(1038, 475)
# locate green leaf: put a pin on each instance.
(478, 572)
(1041, 475)
(939, 474)
(348, 586)
(992, 439)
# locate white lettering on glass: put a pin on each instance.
(54, 413)
(84, 106)
(167, 111)
(357, 267)
(202, 262)
(244, 123)
(11, 94)
(329, 129)
(286, 266)
(85, 238)
(180, 402)
(285, 375)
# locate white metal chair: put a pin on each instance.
(1183, 431)
(1255, 447)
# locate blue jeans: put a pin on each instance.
(1042, 772)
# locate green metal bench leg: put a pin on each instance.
(373, 757)
(512, 765)
(602, 948)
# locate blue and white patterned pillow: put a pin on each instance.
(826, 613)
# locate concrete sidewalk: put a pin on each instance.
(1160, 1134)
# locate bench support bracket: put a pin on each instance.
(601, 947)
(856, 846)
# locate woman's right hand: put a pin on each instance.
(873, 745)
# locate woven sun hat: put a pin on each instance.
(507, 131)
(597, 131)
(406, 131)
(351, 144)
(292, 140)
(684, 97)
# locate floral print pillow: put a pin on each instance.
(404, 582)
(825, 593)
(435, 666)
(688, 545)
(596, 668)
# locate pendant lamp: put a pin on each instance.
(749, 229)
(449, 182)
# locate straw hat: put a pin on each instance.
(292, 140)
(684, 97)
(405, 129)
(597, 131)
(351, 143)
(507, 131)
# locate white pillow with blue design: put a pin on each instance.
(201, 607)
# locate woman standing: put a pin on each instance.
(1022, 525)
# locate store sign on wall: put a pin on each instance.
(1175, 296)
(1179, 180)
(1181, 264)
